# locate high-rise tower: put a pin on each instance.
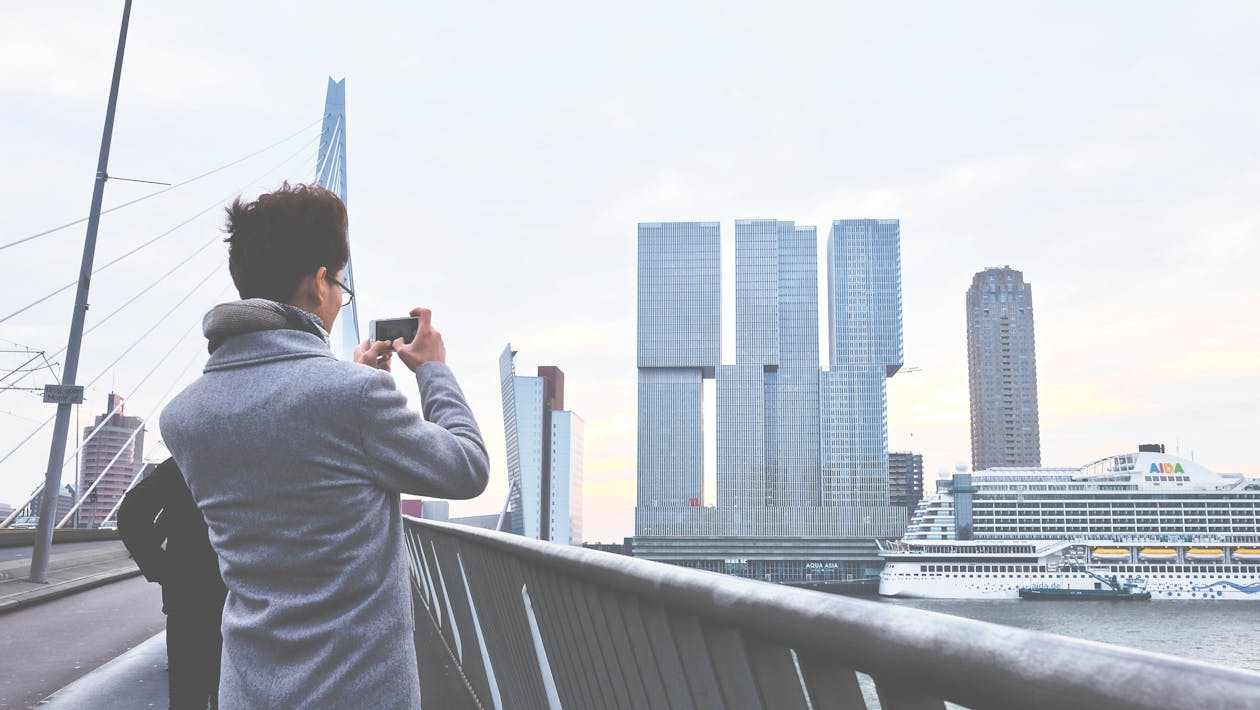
(1002, 371)
(864, 303)
(330, 173)
(117, 453)
(767, 417)
(800, 495)
(544, 454)
(679, 345)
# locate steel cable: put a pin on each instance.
(117, 259)
(182, 183)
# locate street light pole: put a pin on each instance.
(67, 394)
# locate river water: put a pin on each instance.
(1223, 633)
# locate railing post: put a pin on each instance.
(641, 647)
(450, 630)
(631, 673)
(611, 685)
(701, 678)
(572, 667)
(775, 673)
(830, 685)
(487, 665)
(661, 637)
(730, 663)
(540, 652)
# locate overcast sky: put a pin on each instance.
(501, 154)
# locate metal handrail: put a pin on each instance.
(545, 625)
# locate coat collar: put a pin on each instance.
(256, 330)
(265, 346)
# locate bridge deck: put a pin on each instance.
(72, 568)
(56, 636)
(137, 679)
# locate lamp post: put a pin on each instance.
(67, 394)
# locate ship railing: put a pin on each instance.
(542, 625)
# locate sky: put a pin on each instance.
(500, 156)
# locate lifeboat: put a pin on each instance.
(1110, 553)
(1247, 554)
(1158, 553)
(1209, 554)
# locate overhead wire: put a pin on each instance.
(116, 311)
(17, 369)
(106, 370)
(104, 420)
(19, 416)
(119, 258)
(119, 309)
(20, 345)
(153, 327)
(155, 193)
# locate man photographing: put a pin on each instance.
(297, 460)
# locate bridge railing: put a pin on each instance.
(535, 624)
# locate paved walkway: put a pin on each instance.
(46, 646)
(69, 571)
(114, 626)
(136, 679)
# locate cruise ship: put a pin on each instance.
(1159, 521)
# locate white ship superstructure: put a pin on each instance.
(1185, 531)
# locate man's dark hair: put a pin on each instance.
(282, 237)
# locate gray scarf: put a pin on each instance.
(256, 314)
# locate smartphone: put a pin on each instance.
(393, 328)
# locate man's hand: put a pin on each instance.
(377, 355)
(427, 346)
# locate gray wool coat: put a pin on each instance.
(297, 461)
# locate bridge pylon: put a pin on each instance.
(330, 173)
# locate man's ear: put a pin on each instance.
(319, 285)
(307, 291)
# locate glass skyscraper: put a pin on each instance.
(864, 292)
(1002, 371)
(802, 468)
(767, 417)
(679, 345)
(864, 315)
(567, 458)
(544, 454)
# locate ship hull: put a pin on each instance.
(898, 580)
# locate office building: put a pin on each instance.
(864, 318)
(545, 454)
(905, 479)
(779, 516)
(679, 346)
(114, 455)
(66, 498)
(485, 522)
(767, 402)
(1002, 371)
(566, 465)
